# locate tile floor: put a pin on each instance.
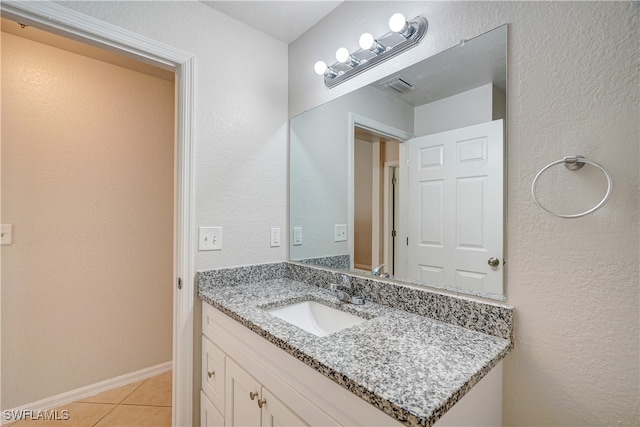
(144, 403)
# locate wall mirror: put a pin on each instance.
(409, 172)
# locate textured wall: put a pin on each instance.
(87, 180)
(573, 89)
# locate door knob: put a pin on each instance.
(493, 262)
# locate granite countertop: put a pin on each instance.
(412, 367)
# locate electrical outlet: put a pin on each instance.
(275, 237)
(297, 236)
(340, 232)
(210, 238)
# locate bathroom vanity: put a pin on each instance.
(408, 359)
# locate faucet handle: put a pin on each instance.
(357, 300)
(334, 286)
(378, 270)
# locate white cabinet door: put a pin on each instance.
(209, 415)
(455, 207)
(277, 414)
(213, 360)
(242, 396)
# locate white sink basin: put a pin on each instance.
(317, 318)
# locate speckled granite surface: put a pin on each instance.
(335, 261)
(410, 366)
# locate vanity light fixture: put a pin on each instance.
(403, 36)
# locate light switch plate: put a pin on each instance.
(297, 236)
(340, 232)
(210, 238)
(275, 237)
(6, 234)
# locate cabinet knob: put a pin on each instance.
(212, 373)
(253, 395)
(261, 403)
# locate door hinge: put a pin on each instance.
(407, 241)
(393, 233)
(179, 283)
(394, 180)
(407, 161)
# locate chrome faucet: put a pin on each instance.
(343, 295)
(378, 271)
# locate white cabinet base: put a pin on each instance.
(303, 396)
(481, 406)
(209, 415)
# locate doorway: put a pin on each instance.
(62, 21)
(376, 158)
(87, 176)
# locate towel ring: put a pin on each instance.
(573, 163)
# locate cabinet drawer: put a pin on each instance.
(213, 373)
(209, 415)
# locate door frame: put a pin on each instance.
(57, 19)
(388, 225)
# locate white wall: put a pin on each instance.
(572, 89)
(468, 108)
(87, 180)
(320, 165)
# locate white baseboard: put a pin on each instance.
(90, 390)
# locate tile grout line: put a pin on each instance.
(119, 403)
(145, 405)
(114, 405)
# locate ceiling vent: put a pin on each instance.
(399, 84)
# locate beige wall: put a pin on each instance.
(87, 182)
(572, 89)
(362, 215)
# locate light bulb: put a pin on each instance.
(397, 23)
(342, 55)
(366, 41)
(320, 67)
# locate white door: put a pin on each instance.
(242, 393)
(455, 207)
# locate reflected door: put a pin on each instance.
(455, 208)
